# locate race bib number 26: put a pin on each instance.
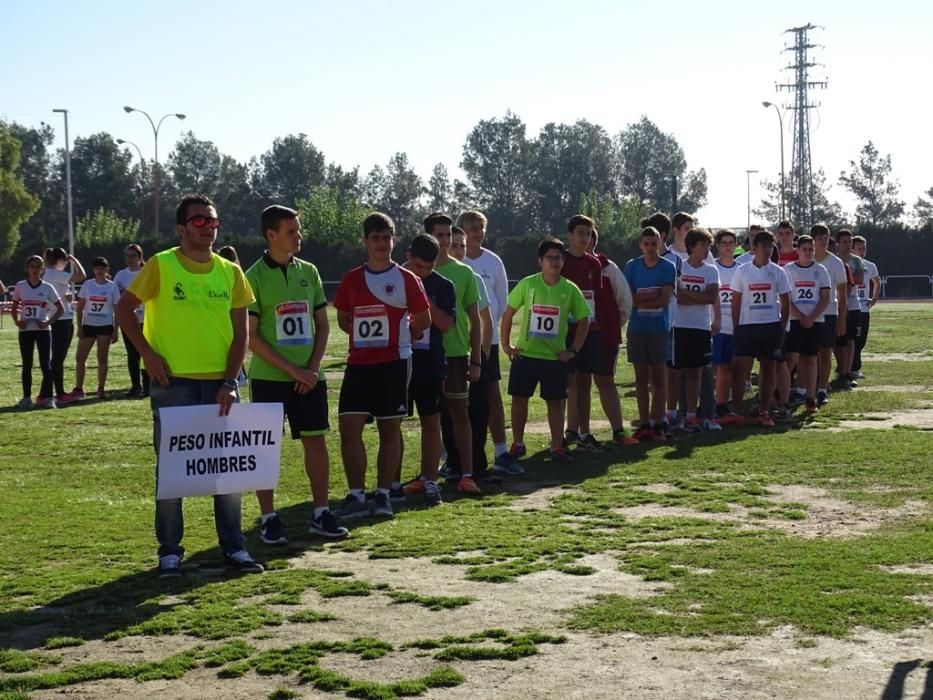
(293, 323)
(370, 327)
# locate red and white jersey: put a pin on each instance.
(761, 289)
(696, 279)
(725, 295)
(805, 286)
(379, 304)
(585, 272)
(34, 303)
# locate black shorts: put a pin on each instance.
(425, 388)
(306, 413)
(527, 372)
(606, 360)
(587, 360)
(853, 328)
(94, 331)
(803, 341)
(456, 385)
(828, 334)
(692, 348)
(380, 391)
(763, 341)
(493, 372)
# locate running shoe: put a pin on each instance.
(644, 434)
(352, 507)
(620, 438)
(45, 402)
(77, 394)
(432, 496)
(504, 464)
(711, 424)
(517, 451)
(821, 398)
(571, 437)
(731, 419)
(273, 532)
(560, 454)
(25, 402)
(64, 399)
(468, 486)
(765, 420)
(812, 406)
(326, 525)
(590, 444)
(659, 434)
(691, 425)
(242, 563)
(414, 486)
(797, 397)
(169, 566)
(397, 495)
(382, 505)
(134, 393)
(101, 394)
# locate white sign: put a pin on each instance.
(204, 454)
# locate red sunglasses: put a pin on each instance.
(201, 221)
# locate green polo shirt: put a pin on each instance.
(457, 339)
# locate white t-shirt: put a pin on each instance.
(490, 267)
(35, 304)
(99, 301)
(864, 289)
(805, 285)
(483, 302)
(725, 295)
(696, 279)
(837, 275)
(761, 289)
(123, 279)
(61, 280)
(745, 257)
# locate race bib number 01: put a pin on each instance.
(370, 327)
(293, 323)
(545, 321)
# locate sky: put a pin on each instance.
(365, 79)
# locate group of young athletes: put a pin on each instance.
(425, 336)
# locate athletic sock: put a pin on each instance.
(499, 448)
(318, 512)
(396, 485)
(466, 475)
(584, 436)
(359, 494)
(265, 518)
(382, 491)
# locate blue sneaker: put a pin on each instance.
(504, 464)
(241, 562)
(382, 505)
(352, 507)
(273, 532)
(327, 526)
(169, 566)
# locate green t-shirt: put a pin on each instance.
(286, 299)
(543, 333)
(457, 339)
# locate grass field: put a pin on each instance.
(795, 562)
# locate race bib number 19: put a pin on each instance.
(293, 323)
(544, 321)
(370, 327)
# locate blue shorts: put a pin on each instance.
(723, 349)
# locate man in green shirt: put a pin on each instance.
(462, 345)
(542, 351)
(288, 333)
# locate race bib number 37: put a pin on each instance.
(544, 321)
(370, 327)
(293, 323)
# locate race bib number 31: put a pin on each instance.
(293, 323)
(544, 321)
(370, 327)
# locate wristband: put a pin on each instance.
(231, 384)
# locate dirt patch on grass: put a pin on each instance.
(539, 499)
(656, 488)
(918, 570)
(541, 427)
(897, 388)
(921, 418)
(896, 356)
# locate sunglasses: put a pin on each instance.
(554, 258)
(200, 221)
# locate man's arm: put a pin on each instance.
(345, 321)
(441, 320)
(621, 291)
(821, 304)
(785, 309)
(420, 321)
(505, 333)
(304, 378)
(125, 313)
(690, 298)
(476, 342)
(500, 285)
(486, 318)
(736, 307)
(77, 271)
(226, 396)
(875, 290)
(660, 301)
(579, 338)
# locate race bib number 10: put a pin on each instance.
(370, 327)
(545, 321)
(293, 323)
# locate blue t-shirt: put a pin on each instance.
(428, 351)
(645, 282)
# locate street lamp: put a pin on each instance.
(155, 133)
(71, 225)
(777, 109)
(124, 142)
(748, 188)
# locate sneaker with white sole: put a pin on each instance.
(169, 566)
(352, 507)
(241, 562)
(326, 525)
(273, 532)
(382, 505)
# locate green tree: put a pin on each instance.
(49, 223)
(439, 191)
(16, 203)
(288, 171)
(103, 228)
(649, 165)
(923, 209)
(617, 220)
(497, 162)
(101, 176)
(876, 193)
(396, 190)
(825, 210)
(329, 218)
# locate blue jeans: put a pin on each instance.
(169, 521)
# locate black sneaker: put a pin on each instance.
(571, 437)
(273, 532)
(326, 526)
(241, 562)
(396, 495)
(821, 398)
(169, 566)
(382, 505)
(590, 444)
(432, 496)
(134, 393)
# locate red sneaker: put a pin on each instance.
(765, 420)
(414, 486)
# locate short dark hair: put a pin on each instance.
(456, 230)
(228, 252)
(273, 215)
(649, 232)
(550, 244)
(659, 221)
(763, 236)
(859, 239)
(819, 230)
(100, 261)
(843, 233)
(376, 222)
(425, 247)
(697, 235)
(579, 220)
(786, 224)
(805, 238)
(34, 258)
(723, 232)
(181, 211)
(53, 255)
(435, 218)
(681, 218)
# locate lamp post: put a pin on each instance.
(124, 142)
(748, 188)
(777, 109)
(71, 225)
(155, 133)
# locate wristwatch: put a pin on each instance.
(231, 384)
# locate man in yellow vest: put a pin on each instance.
(193, 342)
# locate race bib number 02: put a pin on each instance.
(370, 327)
(545, 321)
(293, 323)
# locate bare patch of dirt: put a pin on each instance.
(921, 418)
(656, 488)
(539, 499)
(896, 356)
(897, 388)
(918, 570)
